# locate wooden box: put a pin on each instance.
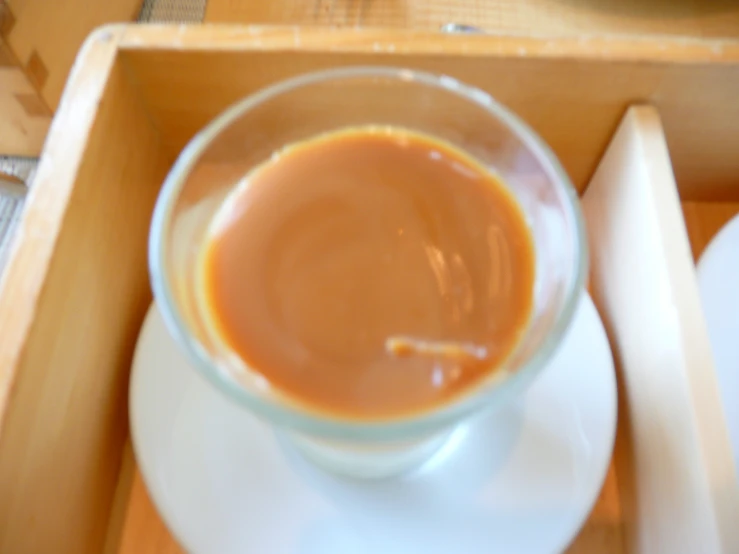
(76, 288)
(39, 40)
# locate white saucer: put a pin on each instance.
(718, 279)
(522, 480)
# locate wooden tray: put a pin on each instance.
(38, 43)
(76, 288)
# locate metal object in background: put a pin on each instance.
(461, 28)
(173, 11)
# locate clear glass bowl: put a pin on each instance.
(247, 134)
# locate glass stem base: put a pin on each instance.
(368, 460)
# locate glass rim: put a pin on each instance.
(292, 416)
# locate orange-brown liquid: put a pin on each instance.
(370, 273)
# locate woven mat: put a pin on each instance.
(11, 199)
(174, 11)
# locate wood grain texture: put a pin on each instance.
(143, 531)
(119, 509)
(54, 32)
(71, 302)
(33, 105)
(21, 133)
(572, 92)
(38, 44)
(24, 115)
(704, 219)
(7, 19)
(677, 471)
(7, 59)
(704, 18)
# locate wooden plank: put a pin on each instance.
(71, 302)
(573, 92)
(45, 37)
(124, 490)
(24, 115)
(679, 487)
(7, 19)
(704, 219)
(21, 133)
(7, 59)
(144, 532)
(715, 18)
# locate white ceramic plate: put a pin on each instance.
(718, 279)
(522, 480)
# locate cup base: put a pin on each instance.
(368, 460)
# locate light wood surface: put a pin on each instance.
(697, 18)
(119, 511)
(71, 302)
(23, 128)
(143, 530)
(76, 288)
(572, 92)
(39, 40)
(51, 33)
(676, 468)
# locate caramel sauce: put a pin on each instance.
(370, 273)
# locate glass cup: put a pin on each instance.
(249, 132)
